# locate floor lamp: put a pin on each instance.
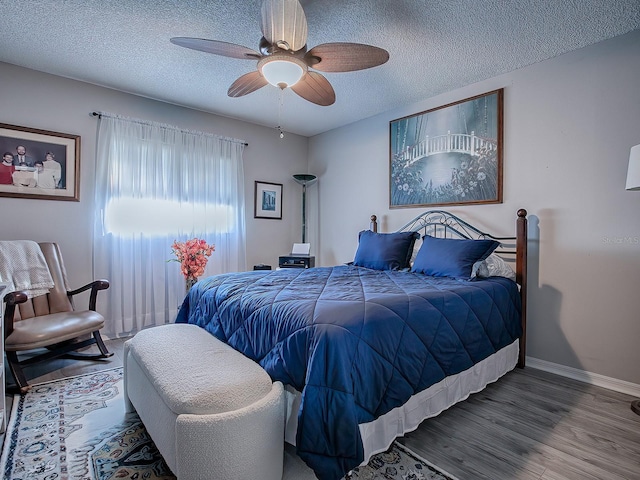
(304, 179)
(633, 183)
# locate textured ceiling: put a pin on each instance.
(434, 47)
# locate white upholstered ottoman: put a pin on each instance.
(212, 412)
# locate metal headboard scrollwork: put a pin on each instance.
(439, 223)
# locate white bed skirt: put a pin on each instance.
(378, 435)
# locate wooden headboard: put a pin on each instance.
(439, 223)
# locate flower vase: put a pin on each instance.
(190, 282)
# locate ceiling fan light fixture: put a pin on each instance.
(283, 59)
(282, 71)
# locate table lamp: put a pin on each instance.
(633, 173)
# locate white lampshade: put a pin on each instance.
(633, 174)
(282, 71)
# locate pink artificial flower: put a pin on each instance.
(192, 256)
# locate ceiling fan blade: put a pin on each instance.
(284, 24)
(316, 89)
(345, 57)
(216, 47)
(247, 83)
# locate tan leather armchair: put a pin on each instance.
(51, 321)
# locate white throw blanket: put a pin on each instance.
(23, 267)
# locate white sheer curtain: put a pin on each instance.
(156, 184)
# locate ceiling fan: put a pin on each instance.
(284, 61)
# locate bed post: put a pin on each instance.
(521, 277)
(373, 226)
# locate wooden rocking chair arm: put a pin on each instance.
(11, 300)
(14, 298)
(95, 287)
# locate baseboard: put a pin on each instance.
(584, 376)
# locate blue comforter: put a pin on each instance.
(356, 342)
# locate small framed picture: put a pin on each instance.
(268, 200)
(39, 164)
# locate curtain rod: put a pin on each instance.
(144, 122)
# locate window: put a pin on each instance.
(156, 184)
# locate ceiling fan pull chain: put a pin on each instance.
(280, 107)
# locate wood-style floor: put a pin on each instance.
(534, 425)
(528, 425)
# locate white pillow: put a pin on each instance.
(416, 249)
(493, 266)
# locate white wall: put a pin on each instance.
(569, 125)
(33, 99)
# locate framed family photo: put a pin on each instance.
(450, 155)
(39, 164)
(268, 200)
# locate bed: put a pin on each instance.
(421, 318)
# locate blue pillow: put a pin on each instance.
(451, 257)
(385, 251)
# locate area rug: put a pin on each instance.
(77, 428)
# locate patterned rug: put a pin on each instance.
(76, 428)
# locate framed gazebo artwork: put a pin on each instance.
(449, 155)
